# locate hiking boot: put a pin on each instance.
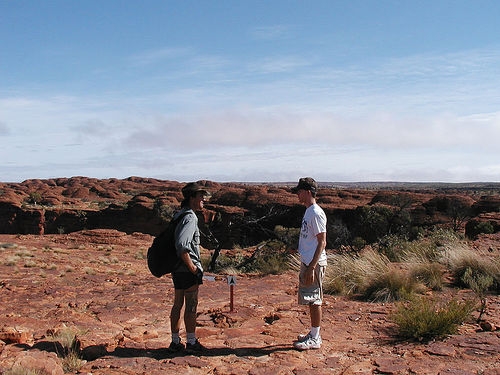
(195, 348)
(309, 343)
(176, 347)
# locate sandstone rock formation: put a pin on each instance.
(238, 214)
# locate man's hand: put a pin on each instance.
(199, 276)
(309, 275)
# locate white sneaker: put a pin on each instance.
(302, 338)
(308, 343)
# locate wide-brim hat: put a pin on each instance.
(306, 183)
(191, 188)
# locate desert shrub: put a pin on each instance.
(229, 260)
(372, 222)
(163, 211)
(430, 274)
(479, 283)
(11, 260)
(289, 236)
(468, 266)
(273, 264)
(474, 228)
(34, 197)
(358, 243)
(428, 248)
(270, 257)
(72, 362)
(29, 263)
(393, 285)
(337, 233)
(70, 353)
(424, 319)
(392, 246)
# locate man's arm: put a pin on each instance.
(309, 274)
(189, 263)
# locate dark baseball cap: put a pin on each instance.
(306, 183)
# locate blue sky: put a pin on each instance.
(250, 90)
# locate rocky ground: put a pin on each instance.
(97, 284)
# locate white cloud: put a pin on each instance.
(388, 122)
(251, 128)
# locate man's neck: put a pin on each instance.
(310, 202)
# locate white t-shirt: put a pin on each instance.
(313, 223)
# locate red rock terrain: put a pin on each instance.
(95, 282)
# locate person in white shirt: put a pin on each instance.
(312, 244)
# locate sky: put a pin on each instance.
(250, 91)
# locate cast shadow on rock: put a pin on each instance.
(208, 352)
(93, 352)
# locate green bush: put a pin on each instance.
(425, 319)
(474, 227)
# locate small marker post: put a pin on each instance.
(231, 281)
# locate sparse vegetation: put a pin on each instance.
(352, 274)
(35, 198)
(270, 257)
(382, 259)
(474, 228)
(140, 255)
(12, 260)
(393, 285)
(20, 370)
(430, 274)
(468, 266)
(423, 319)
(70, 348)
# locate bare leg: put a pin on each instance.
(316, 315)
(190, 313)
(175, 314)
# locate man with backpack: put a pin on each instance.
(188, 273)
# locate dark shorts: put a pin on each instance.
(184, 280)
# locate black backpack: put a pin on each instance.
(162, 255)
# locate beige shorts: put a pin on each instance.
(311, 294)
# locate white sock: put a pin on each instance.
(315, 332)
(191, 338)
(175, 338)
